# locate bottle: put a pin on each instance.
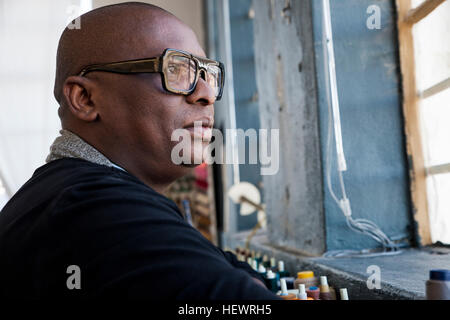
(265, 261)
(255, 265)
(302, 292)
(438, 286)
(271, 281)
(258, 258)
(307, 278)
(343, 293)
(313, 292)
(273, 264)
(325, 293)
(281, 272)
(284, 292)
(262, 270)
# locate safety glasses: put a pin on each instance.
(180, 71)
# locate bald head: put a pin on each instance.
(124, 31)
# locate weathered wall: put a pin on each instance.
(369, 85)
(284, 53)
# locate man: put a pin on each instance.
(93, 222)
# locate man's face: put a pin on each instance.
(140, 115)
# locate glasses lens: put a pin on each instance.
(214, 78)
(180, 72)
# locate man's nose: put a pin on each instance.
(203, 93)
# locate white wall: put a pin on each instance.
(189, 11)
(29, 34)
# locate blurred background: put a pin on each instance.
(397, 151)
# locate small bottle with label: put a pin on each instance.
(307, 278)
(271, 281)
(438, 286)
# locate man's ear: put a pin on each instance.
(77, 92)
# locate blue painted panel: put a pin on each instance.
(367, 68)
(247, 110)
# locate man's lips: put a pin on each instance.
(201, 129)
(200, 132)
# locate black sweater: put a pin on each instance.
(127, 240)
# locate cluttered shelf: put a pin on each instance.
(403, 276)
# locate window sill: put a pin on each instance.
(402, 276)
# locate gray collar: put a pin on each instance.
(69, 145)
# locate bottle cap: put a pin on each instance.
(440, 274)
(343, 293)
(270, 274)
(305, 274)
(323, 281)
(261, 269)
(272, 262)
(301, 288)
(283, 285)
(280, 265)
(255, 265)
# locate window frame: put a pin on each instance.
(407, 18)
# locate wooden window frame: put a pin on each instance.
(407, 17)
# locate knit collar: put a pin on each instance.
(70, 145)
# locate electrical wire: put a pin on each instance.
(361, 226)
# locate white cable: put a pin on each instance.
(342, 165)
(362, 226)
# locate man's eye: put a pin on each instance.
(173, 68)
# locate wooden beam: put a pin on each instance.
(441, 86)
(442, 168)
(415, 15)
(412, 124)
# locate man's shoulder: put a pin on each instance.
(87, 183)
(76, 185)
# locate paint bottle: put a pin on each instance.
(438, 286)
(284, 293)
(271, 281)
(302, 292)
(313, 292)
(255, 265)
(258, 257)
(343, 293)
(333, 293)
(281, 272)
(265, 261)
(262, 271)
(273, 264)
(307, 278)
(249, 261)
(324, 289)
(289, 282)
(283, 286)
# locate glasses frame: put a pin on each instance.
(158, 65)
